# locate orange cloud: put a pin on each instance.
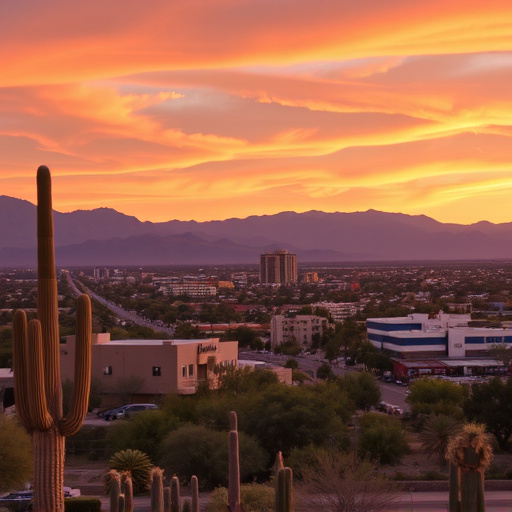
(214, 108)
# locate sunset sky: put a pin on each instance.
(211, 109)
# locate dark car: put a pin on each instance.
(125, 411)
(21, 501)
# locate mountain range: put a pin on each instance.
(108, 238)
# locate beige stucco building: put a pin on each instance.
(159, 366)
(299, 329)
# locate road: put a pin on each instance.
(496, 501)
(119, 311)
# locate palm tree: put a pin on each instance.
(470, 454)
(137, 463)
(436, 434)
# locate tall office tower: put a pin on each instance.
(278, 267)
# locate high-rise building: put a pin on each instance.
(278, 267)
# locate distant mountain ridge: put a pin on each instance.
(106, 237)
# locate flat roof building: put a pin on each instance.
(443, 335)
(299, 329)
(159, 366)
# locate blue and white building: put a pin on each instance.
(419, 335)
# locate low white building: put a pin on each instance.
(442, 335)
(339, 311)
(299, 329)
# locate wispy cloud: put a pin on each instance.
(211, 109)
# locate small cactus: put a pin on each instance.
(284, 490)
(167, 499)
(175, 494)
(194, 488)
(233, 466)
(157, 490)
(127, 490)
(113, 481)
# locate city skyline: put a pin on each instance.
(210, 110)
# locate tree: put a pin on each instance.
(283, 417)
(15, 455)
(186, 331)
(501, 353)
(491, 403)
(325, 372)
(291, 363)
(470, 454)
(196, 450)
(429, 396)
(362, 388)
(343, 482)
(144, 432)
(437, 432)
(381, 438)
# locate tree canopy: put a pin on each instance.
(491, 403)
(429, 396)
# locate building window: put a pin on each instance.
(107, 370)
(157, 371)
(183, 371)
(190, 370)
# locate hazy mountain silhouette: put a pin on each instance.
(107, 237)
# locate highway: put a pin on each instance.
(119, 311)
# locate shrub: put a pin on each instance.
(193, 449)
(291, 363)
(82, 505)
(382, 438)
(15, 455)
(137, 463)
(254, 498)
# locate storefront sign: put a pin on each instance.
(202, 349)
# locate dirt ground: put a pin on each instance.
(88, 475)
(416, 463)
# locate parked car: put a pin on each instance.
(21, 501)
(127, 410)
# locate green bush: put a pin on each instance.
(254, 498)
(137, 463)
(82, 504)
(381, 438)
(15, 454)
(194, 449)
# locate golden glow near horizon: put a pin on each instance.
(212, 109)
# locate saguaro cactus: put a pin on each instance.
(233, 465)
(471, 452)
(37, 381)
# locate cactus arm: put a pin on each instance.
(39, 416)
(47, 299)
(20, 365)
(82, 385)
